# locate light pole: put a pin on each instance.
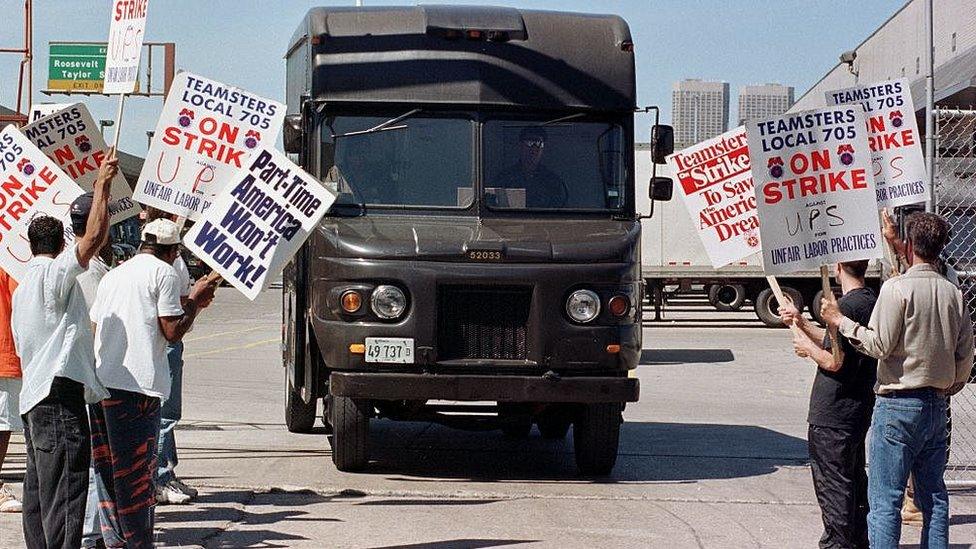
(149, 136)
(102, 124)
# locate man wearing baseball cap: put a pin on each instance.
(136, 314)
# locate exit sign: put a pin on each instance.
(74, 66)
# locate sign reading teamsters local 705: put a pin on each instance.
(716, 186)
(207, 131)
(896, 150)
(815, 192)
(259, 220)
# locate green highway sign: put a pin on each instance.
(74, 66)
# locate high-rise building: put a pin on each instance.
(764, 101)
(699, 110)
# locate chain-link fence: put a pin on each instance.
(955, 199)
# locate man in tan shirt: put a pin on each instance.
(921, 333)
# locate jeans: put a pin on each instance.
(172, 412)
(58, 455)
(908, 435)
(125, 428)
(841, 484)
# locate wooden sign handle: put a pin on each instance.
(829, 294)
(782, 299)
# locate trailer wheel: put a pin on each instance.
(727, 297)
(350, 433)
(299, 415)
(815, 307)
(767, 309)
(596, 435)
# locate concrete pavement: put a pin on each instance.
(714, 455)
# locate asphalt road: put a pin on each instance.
(714, 455)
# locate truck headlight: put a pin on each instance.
(388, 302)
(583, 306)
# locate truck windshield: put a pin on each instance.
(419, 161)
(564, 163)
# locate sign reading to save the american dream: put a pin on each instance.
(207, 131)
(896, 151)
(259, 220)
(814, 188)
(716, 185)
(125, 36)
(30, 185)
(71, 139)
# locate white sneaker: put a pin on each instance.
(183, 488)
(169, 495)
(8, 501)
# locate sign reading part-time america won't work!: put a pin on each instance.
(207, 131)
(31, 184)
(717, 189)
(70, 138)
(259, 220)
(896, 150)
(814, 189)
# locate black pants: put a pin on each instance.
(841, 484)
(58, 454)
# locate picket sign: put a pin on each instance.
(126, 33)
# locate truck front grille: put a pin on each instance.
(482, 322)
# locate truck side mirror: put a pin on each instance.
(661, 188)
(662, 142)
(292, 134)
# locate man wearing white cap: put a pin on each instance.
(137, 311)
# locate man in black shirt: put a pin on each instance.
(840, 413)
(543, 187)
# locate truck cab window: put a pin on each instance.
(564, 165)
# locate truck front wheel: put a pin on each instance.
(596, 434)
(350, 433)
(299, 415)
(767, 309)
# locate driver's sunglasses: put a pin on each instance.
(534, 143)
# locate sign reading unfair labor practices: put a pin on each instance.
(30, 185)
(716, 186)
(70, 138)
(207, 132)
(896, 150)
(815, 193)
(125, 37)
(259, 220)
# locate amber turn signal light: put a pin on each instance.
(613, 349)
(351, 301)
(618, 305)
(357, 349)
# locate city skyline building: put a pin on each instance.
(699, 110)
(764, 101)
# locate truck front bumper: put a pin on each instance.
(393, 386)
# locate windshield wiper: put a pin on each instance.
(384, 127)
(563, 118)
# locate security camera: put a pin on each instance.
(848, 57)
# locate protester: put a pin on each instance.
(922, 334)
(840, 413)
(10, 386)
(54, 340)
(169, 488)
(136, 311)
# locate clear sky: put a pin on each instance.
(242, 42)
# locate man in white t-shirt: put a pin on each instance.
(137, 311)
(53, 337)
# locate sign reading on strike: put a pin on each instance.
(259, 220)
(896, 150)
(70, 138)
(716, 185)
(125, 37)
(207, 132)
(814, 188)
(30, 185)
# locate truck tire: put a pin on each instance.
(299, 415)
(767, 308)
(596, 435)
(815, 307)
(350, 434)
(727, 297)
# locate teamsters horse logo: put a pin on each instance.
(896, 118)
(252, 137)
(775, 166)
(83, 143)
(846, 153)
(752, 240)
(25, 166)
(186, 116)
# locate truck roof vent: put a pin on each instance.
(475, 22)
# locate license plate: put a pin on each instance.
(397, 350)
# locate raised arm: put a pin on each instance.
(96, 231)
(174, 327)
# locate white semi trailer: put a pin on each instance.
(672, 255)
